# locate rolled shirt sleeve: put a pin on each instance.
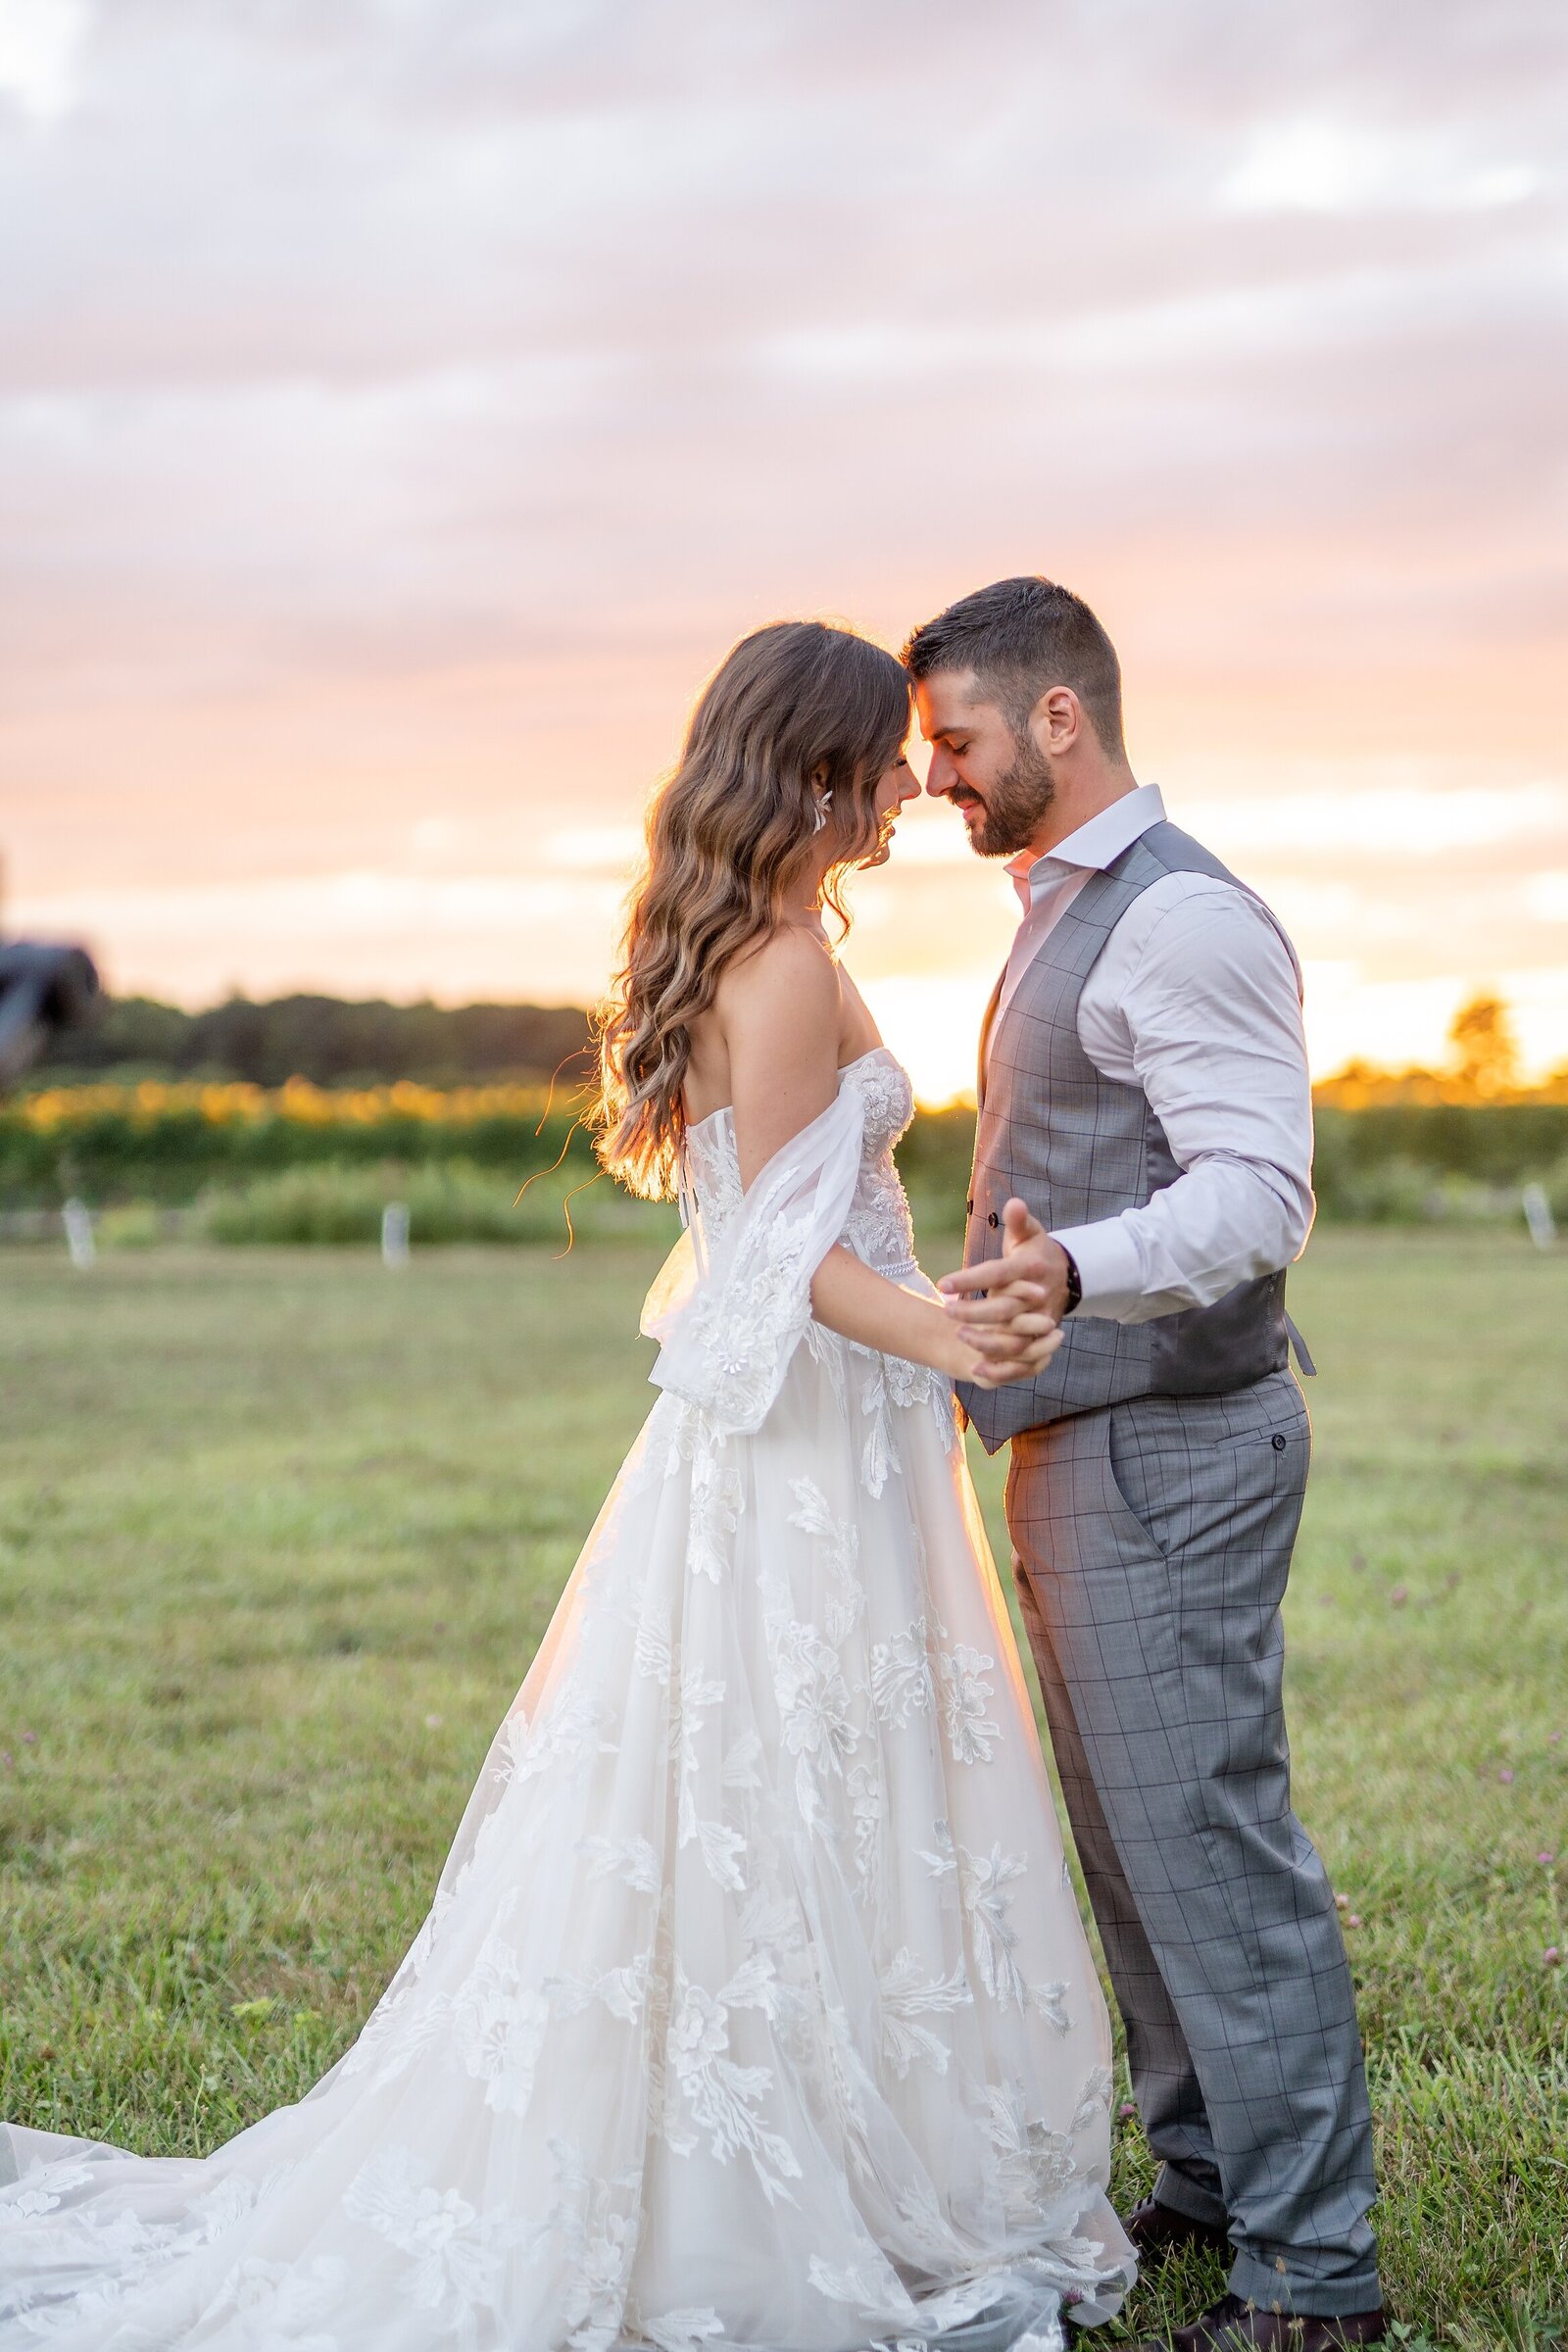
(1195, 1001)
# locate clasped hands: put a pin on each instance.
(1008, 1310)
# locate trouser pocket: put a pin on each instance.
(1213, 1474)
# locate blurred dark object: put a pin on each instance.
(43, 990)
(329, 1040)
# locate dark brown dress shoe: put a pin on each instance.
(1233, 2326)
(1160, 2231)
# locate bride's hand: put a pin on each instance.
(1015, 1342)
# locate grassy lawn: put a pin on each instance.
(279, 1533)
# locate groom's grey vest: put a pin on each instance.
(1077, 1146)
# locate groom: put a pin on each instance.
(1144, 1151)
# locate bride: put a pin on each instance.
(753, 2008)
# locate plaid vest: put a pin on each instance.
(1077, 1146)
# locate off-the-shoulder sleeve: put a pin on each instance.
(730, 1312)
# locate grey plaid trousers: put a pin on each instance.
(1151, 1544)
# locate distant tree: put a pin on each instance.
(1485, 1047)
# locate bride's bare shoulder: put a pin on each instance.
(788, 978)
(777, 1007)
(793, 954)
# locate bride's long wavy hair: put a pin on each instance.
(795, 707)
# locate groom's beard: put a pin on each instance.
(1014, 803)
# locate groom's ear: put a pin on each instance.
(1057, 722)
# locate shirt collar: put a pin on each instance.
(1092, 847)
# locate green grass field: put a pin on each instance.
(279, 1531)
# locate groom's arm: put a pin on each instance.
(1206, 1021)
(1209, 1019)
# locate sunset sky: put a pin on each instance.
(403, 403)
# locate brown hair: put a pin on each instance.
(794, 706)
(1021, 637)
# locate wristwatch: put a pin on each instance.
(1075, 1288)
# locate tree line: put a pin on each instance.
(333, 1041)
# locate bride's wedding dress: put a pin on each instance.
(753, 2009)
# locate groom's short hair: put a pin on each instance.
(1021, 637)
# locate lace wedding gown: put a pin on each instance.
(753, 2009)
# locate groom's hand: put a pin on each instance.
(1002, 1310)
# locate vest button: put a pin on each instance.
(1279, 1443)
(968, 1208)
(993, 1219)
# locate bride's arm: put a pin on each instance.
(850, 1297)
(780, 1010)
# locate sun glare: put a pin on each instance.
(932, 1024)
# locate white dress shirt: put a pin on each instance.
(1194, 999)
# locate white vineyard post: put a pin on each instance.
(394, 1234)
(76, 1218)
(1538, 1217)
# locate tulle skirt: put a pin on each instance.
(753, 2012)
